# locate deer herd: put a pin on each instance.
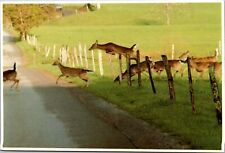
(200, 64)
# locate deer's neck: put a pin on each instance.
(60, 66)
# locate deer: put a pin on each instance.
(113, 49)
(213, 58)
(158, 66)
(201, 67)
(133, 70)
(72, 72)
(10, 75)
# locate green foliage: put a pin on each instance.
(25, 16)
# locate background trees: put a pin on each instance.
(25, 16)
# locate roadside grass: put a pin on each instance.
(191, 32)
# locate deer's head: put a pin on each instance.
(94, 46)
(183, 57)
(56, 62)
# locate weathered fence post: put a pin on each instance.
(139, 68)
(75, 55)
(64, 56)
(53, 53)
(150, 74)
(93, 60)
(120, 68)
(215, 93)
(111, 65)
(172, 56)
(128, 70)
(170, 78)
(80, 54)
(60, 54)
(85, 56)
(191, 90)
(100, 62)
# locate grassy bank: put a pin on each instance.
(190, 29)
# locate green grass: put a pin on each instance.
(194, 27)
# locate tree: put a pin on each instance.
(25, 16)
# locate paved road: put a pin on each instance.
(43, 114)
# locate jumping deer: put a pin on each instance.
(202, 67)
(113, 49)
(213, 58)
(176, 65)
(10, 75)
(134, 70)
(72, 72)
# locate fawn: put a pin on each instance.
(112, 48)
(10, 75)
(73, 72)
(133, 70)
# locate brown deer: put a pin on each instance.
(213, 58)
(176, 65)
(113, 49)
(10, 75)
(201, 67)
(133, 70)
(73, 72)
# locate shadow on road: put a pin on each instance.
(10, 39)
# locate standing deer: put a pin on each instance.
(10, 75)
(113, 49)
(73, 72)
(133, 70)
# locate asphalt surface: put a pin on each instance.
(41, 114)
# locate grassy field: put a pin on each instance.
(194, 27)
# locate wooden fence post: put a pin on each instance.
(85, 56)
(128, 70)
(93, 60)
(215, 93)
(111, 65)
(75, 55)
(120, 69)
(150, 74)
(191, 90)
(80, 54)
(139, 68)
(100, 62)
(172, 56)
(170, 78)
(53, 53)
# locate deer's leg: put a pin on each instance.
(84, 77)
(17, 83)
(13, 84)
(59, 78)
